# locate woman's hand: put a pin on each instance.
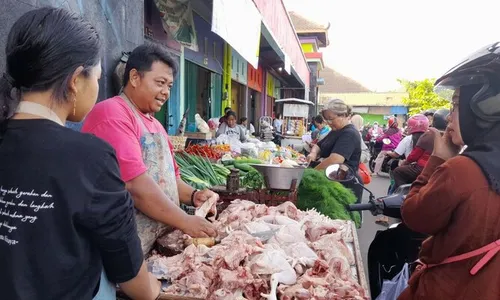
(443, 145)
(311, 157)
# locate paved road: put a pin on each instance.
(366, 233)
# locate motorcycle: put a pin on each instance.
(375, 148)
(388, 162)
(391, 248)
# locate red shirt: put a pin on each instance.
(114, 121)
(423, 150)
(419, 155)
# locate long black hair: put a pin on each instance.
(43, 49)
(414, 138)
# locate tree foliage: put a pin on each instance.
(421, 96)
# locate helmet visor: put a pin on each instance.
(484, 101)
(445, 92)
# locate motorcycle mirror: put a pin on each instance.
(339, 173)
(343, 173)
(386, 141)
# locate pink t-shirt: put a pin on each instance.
(114, 121)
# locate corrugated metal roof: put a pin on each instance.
(306, 27)
(303, 24)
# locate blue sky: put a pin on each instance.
(376, 42)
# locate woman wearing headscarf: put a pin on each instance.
(342, 145)
(358, 121)
(393, 134)
(456, 198)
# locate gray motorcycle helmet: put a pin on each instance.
(429, 112)
(440, 120)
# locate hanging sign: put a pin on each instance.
(177, 20)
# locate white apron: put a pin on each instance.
(158, 159)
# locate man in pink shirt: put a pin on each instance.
(143, 149)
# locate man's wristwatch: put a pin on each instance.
(192, 197)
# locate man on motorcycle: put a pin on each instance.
(416, 161)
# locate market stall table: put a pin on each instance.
(236, 266)
(199, 137)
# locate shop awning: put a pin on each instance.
(399, 110)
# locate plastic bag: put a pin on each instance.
(201, 124)
(222, 139)
(364, 173)
(391, 289)
(235, 144)
(254, 140)
(213, 123)
(267, 146)
(249, 149)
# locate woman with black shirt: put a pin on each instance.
(64, 212)
(341, 145)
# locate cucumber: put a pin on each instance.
(249, 161)
(228, 162)
(243, 166)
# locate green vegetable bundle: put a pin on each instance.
(253, 179)
(328, 197)
(199, 172)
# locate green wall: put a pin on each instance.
(373, 118)
(191, 89)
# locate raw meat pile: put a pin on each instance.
(302, 255)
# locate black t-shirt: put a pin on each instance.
(345, 142)
(64, 213)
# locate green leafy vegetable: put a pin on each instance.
(328, 197)
(253, 179)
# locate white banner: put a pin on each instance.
(238, 22)
(295, 110)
